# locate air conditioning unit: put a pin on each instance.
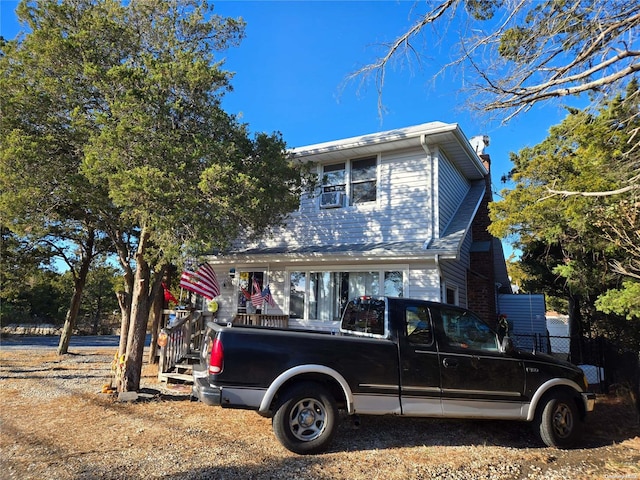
(331, 200)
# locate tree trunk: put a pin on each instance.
(70, 320)
(124, 300)
(80, 281)
(139, 318)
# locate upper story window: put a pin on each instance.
(363, 180)
(334, 177)
(349, 183)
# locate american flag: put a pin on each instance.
(266, 295)
(256, 298)
(203, 281)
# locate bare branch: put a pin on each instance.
(541, 92)
(537, 50)
(620, 269)
(568, 193)
(401, 44)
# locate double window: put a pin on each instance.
(349, 183)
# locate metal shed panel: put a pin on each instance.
(526, 317)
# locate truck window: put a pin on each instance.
(418, 324)
(464, 330)
(364, 315)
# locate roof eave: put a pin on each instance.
(436, 133)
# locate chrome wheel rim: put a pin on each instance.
(307, 419)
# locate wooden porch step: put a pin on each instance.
(173, 377)
(186, 368)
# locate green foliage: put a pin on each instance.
(27, 291)
(571, 243)
(121, 127)
(483, 9)
(113, 130)
(624, 301)
(99, 301)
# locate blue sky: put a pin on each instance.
(291, 68)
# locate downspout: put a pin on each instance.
(439, 270)
(432, 227)
(433, 206)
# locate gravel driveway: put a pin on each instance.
(55, 424)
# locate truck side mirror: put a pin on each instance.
(507, 345)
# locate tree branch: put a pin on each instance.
(569, 193)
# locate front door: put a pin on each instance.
(477, 379)
(420, 375)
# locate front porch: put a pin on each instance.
(181, 339)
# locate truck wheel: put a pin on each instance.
(558, 420)
(306, 419)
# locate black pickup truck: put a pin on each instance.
(391, 356)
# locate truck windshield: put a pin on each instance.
(364, 315)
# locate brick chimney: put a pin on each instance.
(481, 278)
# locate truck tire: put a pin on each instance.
(558, 420)
(306, 419)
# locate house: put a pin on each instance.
(402, 213)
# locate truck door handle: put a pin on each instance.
(450, 363)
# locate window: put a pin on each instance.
(418, 324)
(363, 180)
(329, 292)
(323, 295)
(334, 177)
(297, 290)
(356, 179)
(464, 330)
(451, 295)
(393, 284)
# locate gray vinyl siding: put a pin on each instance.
(401, 212)
(455, 272)
(424, 283)
(452, 188)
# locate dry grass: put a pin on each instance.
(54, 424)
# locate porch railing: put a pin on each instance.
(181, 336)
(263, 320)
(183, 333)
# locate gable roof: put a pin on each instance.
(446, 136)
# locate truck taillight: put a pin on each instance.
(216, 359)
